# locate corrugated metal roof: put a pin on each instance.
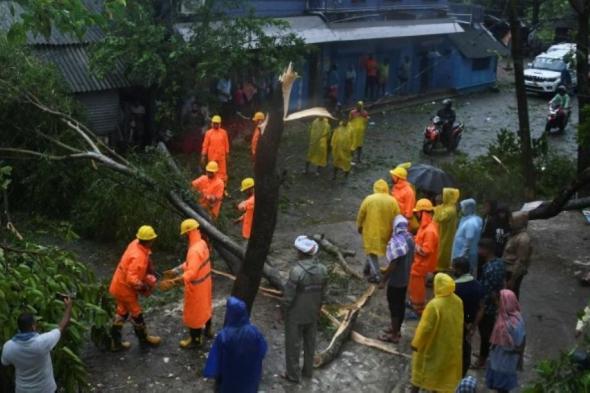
(477, 44)
(73, 63)
(314, 30)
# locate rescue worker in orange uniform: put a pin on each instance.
(134, 276)
(404, 194)
(195, 273)
(211, 189)
(258, 119)
(216, 147)
(425, 254)
(247, 207)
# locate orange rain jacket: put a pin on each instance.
(247, 207)
(198, 286)
(216, 148)
(129, 278)
(210, 188)
(255, 138)
(405, 196)
(427, 240)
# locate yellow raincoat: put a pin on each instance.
(375, 218)
(318, 142)
(446, 217)
(437, 359)
(358, 124)
(342, 147)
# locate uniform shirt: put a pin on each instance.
(304, 291)
(31, 359)
(247, 207)
(209, 188)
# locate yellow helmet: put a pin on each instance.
(146, 233)
(424, 205)
(247, 184)
(400, 172)
(216, 119)
(360, 103)
(212, 166)
(258, 116)
(188, 225)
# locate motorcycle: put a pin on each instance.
(433, 135)
(557, 118)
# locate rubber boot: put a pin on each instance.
(194, 340)
(209, 333)
(144, 338)
(116, 343)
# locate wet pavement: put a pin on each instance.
(315, 204)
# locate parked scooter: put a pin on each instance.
(557, 118)
(433, 135)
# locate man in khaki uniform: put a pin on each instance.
(303, 297)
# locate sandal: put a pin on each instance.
(388, 338)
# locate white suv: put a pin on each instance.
(544, 73)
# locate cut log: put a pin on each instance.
(338, 253)
(343, 332)
(553, 208)
(378, 344)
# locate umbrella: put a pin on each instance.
(429, 178)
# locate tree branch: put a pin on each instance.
(554, 207)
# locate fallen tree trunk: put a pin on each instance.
(558, 204)
(344, 329)
(338, 253)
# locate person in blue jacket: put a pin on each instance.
(468, 234)
(235, 359)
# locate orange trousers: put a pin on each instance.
(417, 292)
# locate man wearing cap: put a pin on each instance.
(210, 188)
(425, 254)
(247, 207)
(134, 276)
(216, 147)
(403, 192)
(303, 297)
(258, 119)
(195, 273)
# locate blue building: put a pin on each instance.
(442, 48)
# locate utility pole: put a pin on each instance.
(524, 131)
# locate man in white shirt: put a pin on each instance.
(29, 353)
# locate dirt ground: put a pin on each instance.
(311, 204)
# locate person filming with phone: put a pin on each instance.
(29, 352)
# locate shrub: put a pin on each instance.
(30, 278)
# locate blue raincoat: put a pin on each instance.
(468, 234)
(235, 359)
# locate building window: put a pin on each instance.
(358, 1)
(480, 64)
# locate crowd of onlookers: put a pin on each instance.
(476, 264)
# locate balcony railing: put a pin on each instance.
(374, 5)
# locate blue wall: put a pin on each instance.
(467, 78)
(430, 57)
(327, 5)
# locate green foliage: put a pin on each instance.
(498, 174)
(561, 375)
(216, 46)
(30, 278)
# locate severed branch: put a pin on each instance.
(377, 344)
(553, 208)
(344, 329)
(338, 253)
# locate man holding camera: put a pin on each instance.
(29, 352)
